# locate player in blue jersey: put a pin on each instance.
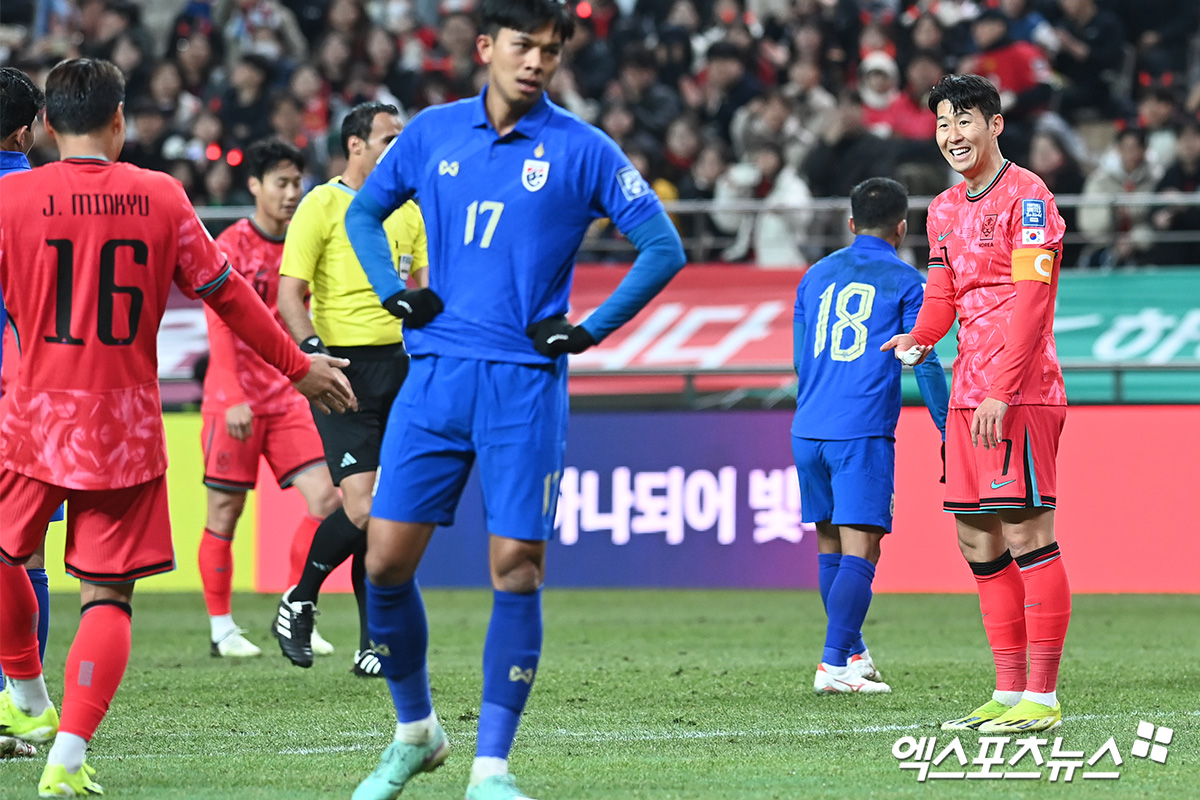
(20, 103)
(508, 183)
(847, 406)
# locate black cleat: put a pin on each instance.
(293, 627)
(366, 664)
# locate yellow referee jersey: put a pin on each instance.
(345, 309)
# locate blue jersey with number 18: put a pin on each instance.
(504, 216)
(848, 304)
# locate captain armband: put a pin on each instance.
(1033, 264)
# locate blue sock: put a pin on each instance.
(400, 637)
(827, 570)
(510, 659)
(849, 599)
(41, 588)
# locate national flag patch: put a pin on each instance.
(1033, 213)
(1033, 236)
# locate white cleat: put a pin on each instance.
(841, 680)
(862, 665)
(320, 647)
(234, 645)
(16, 748)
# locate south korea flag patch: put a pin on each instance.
(533, 176)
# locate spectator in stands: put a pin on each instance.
(812, 103)
(1054, 162)
(131, 59)
(1090, 54)
(333, 58)
(681, 146)
(349, 18)
(287, 123)
(1158, 112)
(1161, 31)
(166, 90)
(847, 153)
(453, 57)
(242, 103)
(195, 53)
(887, 111)
(769, 120)
(653, 105)
(727, 87)
(385, 67)
(1119, 235)
(675, 56)
(147, 133)
(700, 235)
(1181, 177)
(1026, 23)
(590, 59)
(264, 27)
(771, 238)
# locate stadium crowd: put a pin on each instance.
(718, 100)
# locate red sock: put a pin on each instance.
(216, 571)
(1002, 599)
(18, 624)
(301, 542)
(1047, 614)
(95, 666)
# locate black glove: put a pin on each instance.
(943, 480)
(313, 344)
(417, 307)
(554, 336)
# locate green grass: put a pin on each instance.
(640, 694)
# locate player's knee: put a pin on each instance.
(359, 512)
(522, 578)
(383, 569)
(224, 510)
(325, 502)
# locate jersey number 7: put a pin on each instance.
(865, 293)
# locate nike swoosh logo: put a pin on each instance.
(944, 235)
(1001, 485)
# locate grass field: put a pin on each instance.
(640, 694)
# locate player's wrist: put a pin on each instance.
(313, 344)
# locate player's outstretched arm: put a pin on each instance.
(931, 381)
(326, 386)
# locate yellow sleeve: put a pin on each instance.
(305, 240)
(420, 244)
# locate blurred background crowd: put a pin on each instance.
(742, 104)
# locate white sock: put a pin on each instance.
(486, 767)
(1045, 698)
(222, 625)
(1007, 698)
(417, 732)
(30, 696)
(68, 750)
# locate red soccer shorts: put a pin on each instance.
(289, 441)
(113, 535)
(1020, 473)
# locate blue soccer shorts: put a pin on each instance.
(850, 482)
(452, 411)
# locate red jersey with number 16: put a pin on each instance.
(88, 251)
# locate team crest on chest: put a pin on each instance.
(988, 228)
(533, 175)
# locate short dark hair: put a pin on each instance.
(361, 119)
(268, 154)
(965, 92)
(526, 16)
(878, 204)
(20, 101)
(83, 94)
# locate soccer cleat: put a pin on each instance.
(986, 712)
(366, 664)
(399, 763)
(16, 723)
(57, 782)
(16, 748)
(234, 645)
(320, 647)
(293, 627)
(497, 787)
(832, 680)
(861, 664)
(1026, 715)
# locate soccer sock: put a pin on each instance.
(400, 635)
(335, 540)
(216, 571)
(358, 580)
(95, 666)
(18, 625)
(827, 570)
(302, 541)
(68, 750)
(41, 588)
(1047, 614)
(485, 767)
(847, 604)
(510, 658)
(1001, 600)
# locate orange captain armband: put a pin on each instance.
(1033, 264)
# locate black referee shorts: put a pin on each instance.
(352, 440)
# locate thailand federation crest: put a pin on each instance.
(533, 176)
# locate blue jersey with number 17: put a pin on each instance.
(504, 216)
(848, 304)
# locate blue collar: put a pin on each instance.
(865, 241)
(528, 126)
(13, 161)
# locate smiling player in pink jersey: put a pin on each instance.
(995, 247)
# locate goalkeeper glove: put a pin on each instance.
(416, 307)
(313, 344)
(554, 336)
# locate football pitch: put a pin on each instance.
(640, 694)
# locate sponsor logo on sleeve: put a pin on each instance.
(632, 184)
(1033, 213)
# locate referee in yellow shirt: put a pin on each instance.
(347, 320)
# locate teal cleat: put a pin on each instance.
(497, 787)
(399, 763)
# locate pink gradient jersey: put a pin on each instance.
(237, 374)
(973, 239)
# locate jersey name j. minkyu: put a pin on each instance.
(505, 217)
(974, 239)
(105, 241)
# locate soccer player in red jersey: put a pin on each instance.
(250, 410)
(96, 245)
(995, 245)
